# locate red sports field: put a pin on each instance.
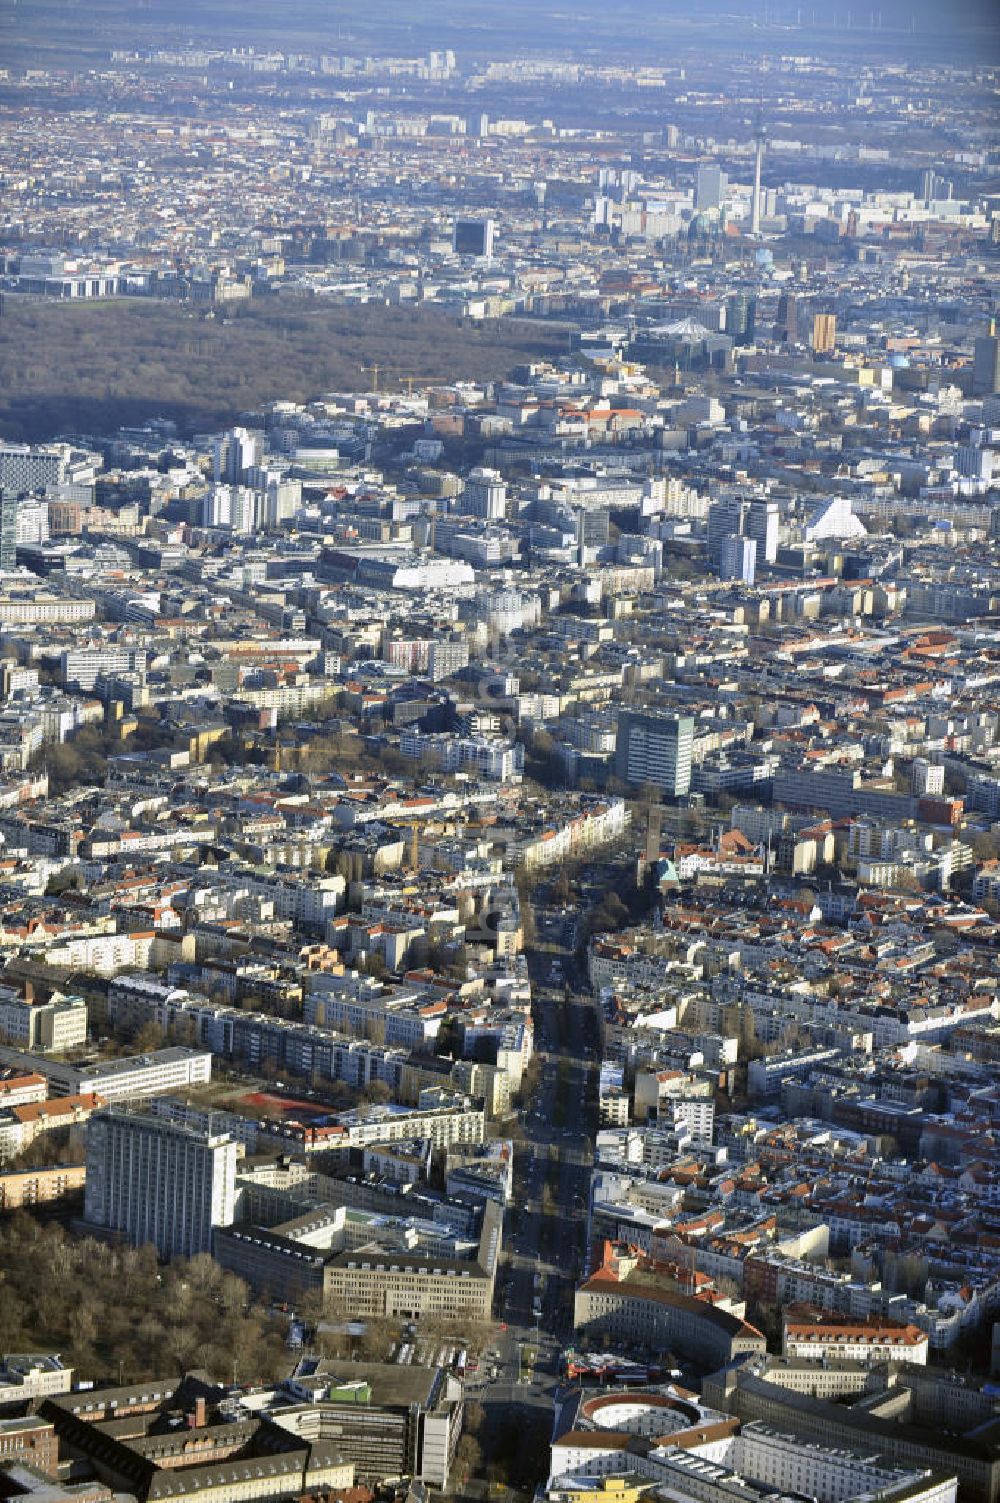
(283, 1106)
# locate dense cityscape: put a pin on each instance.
(499, 753)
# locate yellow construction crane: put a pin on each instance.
(380, 370)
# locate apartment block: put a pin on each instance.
(152, 1180)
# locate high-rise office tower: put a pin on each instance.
(485, 494)
(233, 506)
(738, 559)
(824, 333)
(786, 329)
(726, 518)
(216, 507)
(474, 237)
(975, 462)
(986, 365)
(762, 525)
(283, 497)
(236, 452)
(25, 467)
(656, 749)
(602, 209)
(8, 529)
(710, 187)
(158, 1181)
(741, 317)
(991, 410)
(932, 188)
(926, 778)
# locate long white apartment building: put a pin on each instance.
(401, 1016)
(130, 1079)
(440, 1117)
(596, 824)
(500, 761)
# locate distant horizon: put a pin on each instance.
(660, 30)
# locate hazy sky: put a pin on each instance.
(569, 26)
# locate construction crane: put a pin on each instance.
(380, 370)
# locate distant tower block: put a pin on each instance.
(760, 141)
(824, 333)
(474, 237)
(787, 324)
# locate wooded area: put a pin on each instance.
(93, 367)
(114, 1313)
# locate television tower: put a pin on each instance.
(760, 141)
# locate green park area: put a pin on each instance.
(98, 366)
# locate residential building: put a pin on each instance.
(655, 749)
(30, 1187)
(819, 1338)
(128, 1078)
(152, 1180)
(50, 1027)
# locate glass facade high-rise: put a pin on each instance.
(474, 237)
(786, 330)
(986, 365)
(711, 185)
(741, 317)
